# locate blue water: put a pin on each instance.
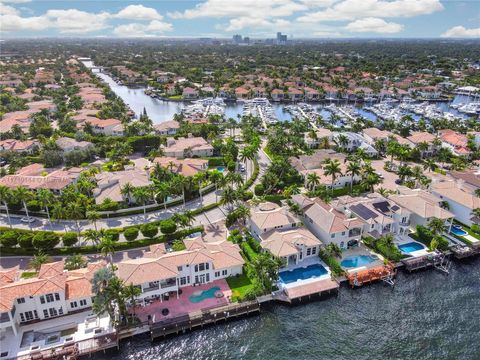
(458, 231)
(358, 260)
(311, 271)
(206, 294)
(220, 169)
(411, 247)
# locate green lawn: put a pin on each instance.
(240, 285)
(28, 274)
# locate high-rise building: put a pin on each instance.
(281, 38)
(237, 39)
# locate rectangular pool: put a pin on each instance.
(311, 271)
(411, 247)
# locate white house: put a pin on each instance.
(353, 142)
(269, 216)
(167, 128)
(111, 127)
(187, 147)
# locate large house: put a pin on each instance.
(68, 144)
(185, 167)
(54, 292)
(374, 134)
(167, 127)
(328, 224)
(19, 146)
(187, 147)
(160, 273)
(353, 142)
(461, 200)
(268, 216)
(111, 127)
(456, 142)
(422, 206)
(420, 137)
(320, 134)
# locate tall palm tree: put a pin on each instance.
(93, 216)
(436, 226)
(229, 196)
(76, 212)
(353, 168)
(132, 292)
(429, 164)
(46, 198)
(332, 168)
(313, 180)
(163, 191)
(24, 195)
(216, 178)
(179, 183)
(38, 260)
(417, 173)
(107, 248)
(199, 178)
(127, 191)
(234, 178)
(342, 140)
(5, 196)
(243, 213)
(142, 196)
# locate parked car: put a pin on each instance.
(27, 220)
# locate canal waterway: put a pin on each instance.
(161, 110)
(427, 315)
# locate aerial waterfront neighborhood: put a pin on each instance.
(153, 187)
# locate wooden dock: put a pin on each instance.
(307, 292)
(384, 273)
(462, 252)
(203, 318)
(435, 260)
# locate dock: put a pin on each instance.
(462, 252)
(306, 292)
(200, 319)
(385, 273)
(438, 261)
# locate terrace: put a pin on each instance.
(155, 311)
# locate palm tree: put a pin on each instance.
(429, 164)
(38, 260)
(476, 213)
(127, 191)
(107, 249)
(417, 173)
(74, 262)
(229, 196)
(142, 196)
(24, 195)
(46, 198)
(342, 140)
(132, 292)
(76, 212)
(313, 180)
(5, 196)
(436, 226)
(93, 216)
(332, 168)
(477, 192)
(215, 177)
(243, 213)
(353, 168)
(179, 183)
(189, 217)
(234, 178)
(163, 191)
(199, 178)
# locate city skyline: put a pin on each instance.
(254, 19)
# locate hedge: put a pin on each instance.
(9, 238)
(149, 230)
(168, 226)
(249, 253)
(69, 239)
(131, 233)
(332, 263)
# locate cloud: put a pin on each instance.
(154, 28)
(8, 10)
(461, 32)
(76, 21)
(375, 25)
(251, 22)
(16, 1)
(241, 8)
(18, 23)
(357, 9)
(138, 12)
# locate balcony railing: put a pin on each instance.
(151, 288)
(168, 283)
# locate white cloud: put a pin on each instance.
(251, 22)
(375, 25)
(17, 23)
(138, 12)
(355, 9)
(76, 21)
(462, 32)
(241, 8)
(154, 28)
(8, 10)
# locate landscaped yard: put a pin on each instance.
(239, 285)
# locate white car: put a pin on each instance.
(27, 220)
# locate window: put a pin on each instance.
(60, 311)
(183, 280)
(45, 314)
(314, 250)
(42, 299)
(332, 236)
(57, 296)
(179, 268)
(28, 315)
(224, 272)
(21, 301)
(217, 273)
(53, 312)
(22, 317)
(35, 314)
(200, 267)
(73, 304)
(309, 251)
(83, 302)
(343, 233)
(49, 298)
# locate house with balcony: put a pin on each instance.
(295, 94)
(167, 128)
(189, 93)
(187, 147)
(328, 224)
(354, 141)
(185, 167)
(420, 137)
(268, 216)
(422, 206)
(109, 127)
(277, 95)
(311, 94)
(320, 135)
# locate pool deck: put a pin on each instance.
(359, 251)
(315, 260)
(401, 240)
(183, 305)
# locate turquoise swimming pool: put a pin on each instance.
(457, 230)
(311, 271)
(411, 247)
(221, 169)
(357, 261)
(205, 294)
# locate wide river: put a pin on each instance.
(426, 315)
(160, 110)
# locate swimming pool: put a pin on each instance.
(221, 169)
(205, 294)
(358, 260)
(311, 271)
(457, 230)
(411, 247)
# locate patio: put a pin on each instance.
(402, 239)
(360, 251)
(183, 305)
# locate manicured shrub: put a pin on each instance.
(259, 189)
(178, 245)
(475, 228)
(424, 234)
(149, 230)
(9, 239)
(249, 253)
(231, 166)
(130, 233)
(25, 240)
(69, 239)
(254, 244)
(45, 240)
(113, 234)
(168, 226)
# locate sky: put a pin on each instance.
(254, 18)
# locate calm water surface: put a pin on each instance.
(427, 315)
